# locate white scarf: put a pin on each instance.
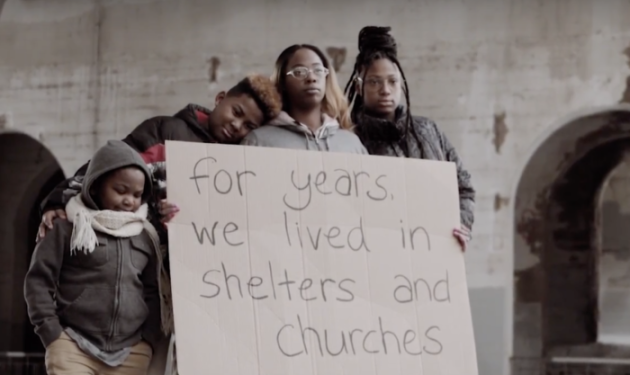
(87, 221)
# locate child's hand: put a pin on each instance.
(47, 221)
(167, 211)
(462, 235)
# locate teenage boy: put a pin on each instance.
(252, 102)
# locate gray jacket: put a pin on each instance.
(286, 132)
(109, 296)
(383, 137)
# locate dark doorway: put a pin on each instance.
(28, 172)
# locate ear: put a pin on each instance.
(220, 96)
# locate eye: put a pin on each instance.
(137, 195)
(251, 126)
(300, 72)
(393, 81)
(237, 111)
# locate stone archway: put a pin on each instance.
(29, 171)
(556, 233)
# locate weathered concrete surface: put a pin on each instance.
(498, 76)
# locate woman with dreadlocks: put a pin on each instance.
(315, 111)
(386, 126)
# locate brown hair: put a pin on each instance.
(263, 91)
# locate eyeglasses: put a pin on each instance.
(302, 72)
(373, 83)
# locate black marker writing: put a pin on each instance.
(203, 234)
(223, 181)
(342, 182)
(262, 286)
(354, 239)
(407, 291)
(328, 343)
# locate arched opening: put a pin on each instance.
(558, 246)
(614, 264)
(29, 171)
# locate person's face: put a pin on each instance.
(234, 117)
(305, 83)
(121, 190)
(382, 88)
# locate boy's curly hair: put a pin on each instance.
(263, 91)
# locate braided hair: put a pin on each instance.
(376, 43)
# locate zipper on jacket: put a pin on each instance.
(116, 294)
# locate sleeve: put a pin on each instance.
(466, 190)
(148, 139)
(152, 328)
(250, 140)
(41, 280)
(61, 194)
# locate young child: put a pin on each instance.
(92, 289)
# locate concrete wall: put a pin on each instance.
(497, 76)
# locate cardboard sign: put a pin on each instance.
(312, 263)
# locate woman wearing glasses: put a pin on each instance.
(315, 111)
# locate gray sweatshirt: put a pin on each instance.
(109, 297)
(286, 132)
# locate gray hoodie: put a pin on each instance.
(109, 297)
(286, 132)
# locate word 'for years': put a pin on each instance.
(345, 183)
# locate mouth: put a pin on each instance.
(312, 90)
(386, 103)
(226, 133)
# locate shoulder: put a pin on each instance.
(348, 141)
(62, 225)
(251, 138)
(157, 124)
(348, 135)
(427, 128)
(265, 135)
(267, 130)
(60, 232)
(420, 122)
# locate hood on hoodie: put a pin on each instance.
(329, 126)
(114, 155)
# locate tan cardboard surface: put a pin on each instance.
(297, 262)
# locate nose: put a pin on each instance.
(385, 89)
(310, 77)
(236, 125)
(127, 202)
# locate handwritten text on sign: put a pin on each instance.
(294, 262)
